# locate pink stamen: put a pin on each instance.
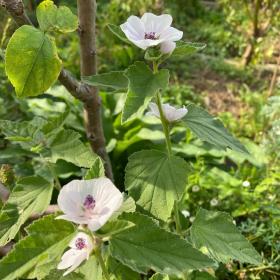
(150, 35)
(80, 243)
(89, 202)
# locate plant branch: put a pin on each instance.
(92, 106)
(88, 95)
(4, 193)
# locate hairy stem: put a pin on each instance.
(102, 263)
(164, 122)
(177, 218)
(92, 106)
(165, 125)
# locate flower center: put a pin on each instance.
(150, 35)
(80, 243)
(89, 202)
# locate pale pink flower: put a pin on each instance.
(89, 202)
(81, 248)
(170, 113)
(151, 30)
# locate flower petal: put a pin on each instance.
(154, 110)
(167, 47)
(144, 44)
(70, 199)
(133, 28)
(78, 260)
(108, 200)
(172, 114)
(171, 34)
(75, 219)
(154, 23)
(69, 258)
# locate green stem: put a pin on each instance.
(165, 124)
(101, 261)
(177, 218)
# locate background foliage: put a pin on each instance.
(221, 78)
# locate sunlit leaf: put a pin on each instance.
(32, 64)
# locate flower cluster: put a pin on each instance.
(90, 203)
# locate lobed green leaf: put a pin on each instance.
(31, 195)
(216, 232)
(142, 86)
(114, 79)
(155, 181)
(210, 129)
(44, 245)
(57, 19)
(146, 246)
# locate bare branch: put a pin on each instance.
(92, 112)
(16, 10)
(50, 210)
(6, 249)
(4, 193)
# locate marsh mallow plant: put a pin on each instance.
(135, 235)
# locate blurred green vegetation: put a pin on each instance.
(230, 85)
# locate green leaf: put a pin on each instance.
(146, 246)
(116, 30)
(97, 169)
(67, 146)
(200, 275)
(27, 132)
(57, 19)
(159, 276)
(143, 85)
(120, 271)
(32, 64)
(153, 54)
(91, 268)
(216, 232)
(58, 275)
(155, 181)
(31, 195)
(210, 129)
(128, 206)
(115, 80)
(45, 243)
(114, 227)
(187, 48)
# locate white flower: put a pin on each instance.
(151, 30)
(246, 184)
(90, 202)
(170, 113)
(214, 202)
(192, 219)
(195, 188)
(81, 247)
(186, 213)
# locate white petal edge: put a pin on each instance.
(133, 28)
(171, 34)
(154, 23)
(167, 47)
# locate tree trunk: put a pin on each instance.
(92, 106)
